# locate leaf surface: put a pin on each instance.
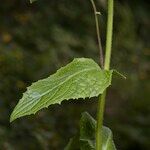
(82, 78)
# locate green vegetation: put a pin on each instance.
(82, 78)
(36, 40)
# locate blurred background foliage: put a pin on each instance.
(37, 39)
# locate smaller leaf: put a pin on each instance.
(87, 126)
(87, 132)
(86, 139)
(86, 144)
(108, 143)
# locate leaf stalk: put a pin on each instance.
(96, 13)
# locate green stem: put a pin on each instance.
(109, 34)
(101, 104)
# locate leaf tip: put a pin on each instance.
(11, 118)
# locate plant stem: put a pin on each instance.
(101, 104)
(96, 13)
(109, 34)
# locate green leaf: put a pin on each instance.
(87, 135)
(81, 78)
(86, 145)
(87, 126)
(108, 143)
(87, 132)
